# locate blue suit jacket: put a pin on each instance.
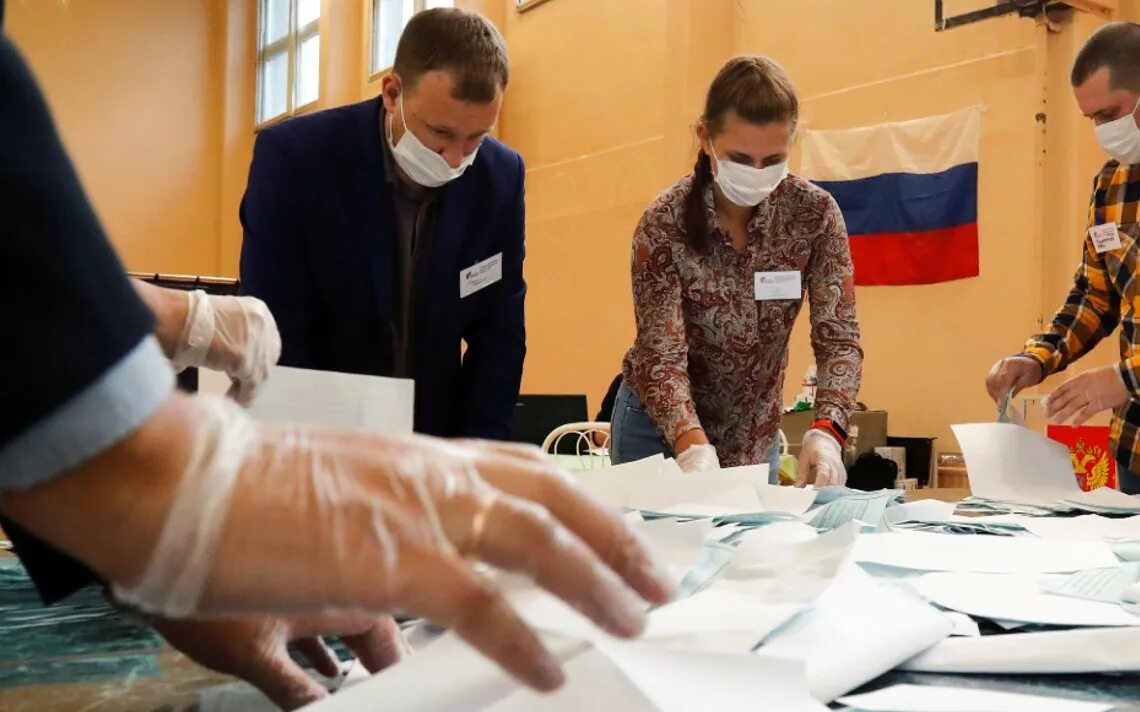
(320, 227)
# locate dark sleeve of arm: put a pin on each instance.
(496, 345)
(55, 574)
(75, 318)
(273, 262)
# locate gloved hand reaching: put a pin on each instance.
(1085, 395)
(298, 521)
(1013, 375)
(698, 458)
(235, 335)
(821, 458)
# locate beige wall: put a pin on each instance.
(158, 112)
(604, 127)
(136, 93)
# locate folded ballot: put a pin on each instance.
(856, 631)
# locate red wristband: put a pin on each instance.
(832, 429)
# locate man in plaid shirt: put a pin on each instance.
(1106, 289)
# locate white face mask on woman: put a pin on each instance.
(1121, 138)
(747, 186)
(420, 163)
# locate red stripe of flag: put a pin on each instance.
(925, 257)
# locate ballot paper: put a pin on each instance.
(1105, 500)
(991, 507)
(1086, 527)
(618, 485)
(793, 500)
(922, 551)
(1010, 463)
(677, 545)
(1017, 597)
(924, 510)
(964, 625)
(789, 573)
(935, 698)
(1080, 650)
(826, 495)
(446, 675)
(656, 485)
(326, 398)
(1104, 585)
(868, 508)
(712, 610)
(635, 677)
(856, 631)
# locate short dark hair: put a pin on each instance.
(458, 41)
(1115, 45)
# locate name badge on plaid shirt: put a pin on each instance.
(1105, 237)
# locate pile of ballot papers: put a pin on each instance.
(793, 599)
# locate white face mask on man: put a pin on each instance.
(747, 186)
(420, 163)
(1121, 138)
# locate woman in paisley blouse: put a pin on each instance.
(721, 264)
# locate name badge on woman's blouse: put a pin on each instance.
(778, 285)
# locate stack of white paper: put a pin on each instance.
(471, 681)
(327, 398)
(1081, 650)
(924, 510)
(1018, 597)
(855, 632)
(633, 677)
(1105, 500)
(677, 545)
(1110, 585)
(1086, 527)
(788, 573)
(922, 551)
(935, 698)
(657, 486)
(867, 508)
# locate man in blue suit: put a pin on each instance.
(385, 235)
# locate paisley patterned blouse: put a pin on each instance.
(708, 354)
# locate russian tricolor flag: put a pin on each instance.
(909, 195)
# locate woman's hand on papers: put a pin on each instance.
(821, 458)
(698, 458)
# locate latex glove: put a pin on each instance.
(821, 457)
(1083, 396)
(235, 335)
(256, 650)
(1015, 374)
(297, 521)
(698, 458)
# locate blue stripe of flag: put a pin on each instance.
(908, 202)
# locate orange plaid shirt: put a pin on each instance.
(1105, 294)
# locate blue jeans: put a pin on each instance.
(634, 436)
